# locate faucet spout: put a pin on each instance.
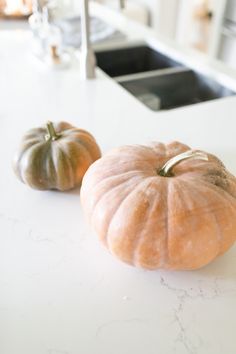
(122, 4)
(87, 56)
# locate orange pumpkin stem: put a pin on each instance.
(166, 170)
(51, 133)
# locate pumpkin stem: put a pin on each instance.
(165, 171)
(51, 133)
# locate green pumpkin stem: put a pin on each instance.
(51, 133)
(166, 170)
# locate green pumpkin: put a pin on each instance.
(55, 156)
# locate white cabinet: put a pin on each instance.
(227, 35)
(191, 31)
(227, 50)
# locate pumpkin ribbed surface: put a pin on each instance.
(179, 222)
(58, 163)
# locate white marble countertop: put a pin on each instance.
(61, 292)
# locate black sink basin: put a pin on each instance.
(132, 60)
(158, 81)
(180, 87)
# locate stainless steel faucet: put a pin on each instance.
(122, 4)
(87, 56)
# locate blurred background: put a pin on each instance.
(206, 25)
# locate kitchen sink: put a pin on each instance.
(174, 88)
(131, 60)
(155, 79)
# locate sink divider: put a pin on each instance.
(149, 74)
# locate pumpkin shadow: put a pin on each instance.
(74, 191)
(215, 280)
(223, 267)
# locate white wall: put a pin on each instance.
(151, 5)
(162, 14)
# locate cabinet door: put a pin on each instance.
(227, 51)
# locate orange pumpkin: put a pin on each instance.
(161, 206)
